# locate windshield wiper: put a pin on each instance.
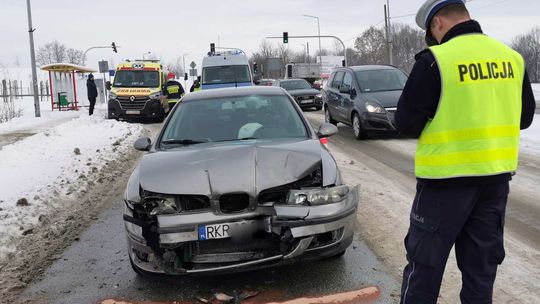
(237, 139)
(183, 142)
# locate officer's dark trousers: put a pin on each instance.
(92, 105)
(472, 218)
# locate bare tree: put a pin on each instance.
(55, 52)
(528, 45)
(371, 46)
(176, 66)
(284, 53)
(75, 56)
(407, 41)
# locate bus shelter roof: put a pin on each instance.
(67, 67)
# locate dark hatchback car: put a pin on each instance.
(237, 179)
(364, 97)
(305, 95)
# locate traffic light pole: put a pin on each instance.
(304, 37)
(97, 47)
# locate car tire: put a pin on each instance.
(328, 117)
(358, 131)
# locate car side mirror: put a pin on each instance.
(353, 93)
(327, 130)
(143, 144)
(108, 85)
(344, 90)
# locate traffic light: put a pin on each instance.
(285, 37)
(212, 47)
(255, 68)
(113, 45)
(186, 76)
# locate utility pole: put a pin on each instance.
(308, 59)
(184, 68)
(33, 61)
(388, 26)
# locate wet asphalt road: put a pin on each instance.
(96, 268)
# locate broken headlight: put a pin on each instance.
(313, 197)
(156, 205)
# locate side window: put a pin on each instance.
(347, 81)
(337, 80)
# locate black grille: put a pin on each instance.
(135, 105)
(192, 202)
(231, 203)
(260, 242)
(305, 97)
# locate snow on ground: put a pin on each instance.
(530, 138)
(29, 123)
(536, 91)
(46, 168)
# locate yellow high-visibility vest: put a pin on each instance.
(475, 131)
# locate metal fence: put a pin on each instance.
(14, 88)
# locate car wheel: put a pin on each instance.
(328, 117)
(359, 133)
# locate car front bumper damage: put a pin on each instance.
(270, 235)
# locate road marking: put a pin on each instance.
(361, 296)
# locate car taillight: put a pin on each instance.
(324, 141)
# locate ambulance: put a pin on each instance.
(225, 69)
(136, 92)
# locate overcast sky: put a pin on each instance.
(171, 28)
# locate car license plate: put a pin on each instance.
(133, 112)
(306, 101)
(212, 232)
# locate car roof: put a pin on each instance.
(371, 67)
(235, 92)
(291, 79)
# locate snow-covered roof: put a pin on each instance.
(67, 67)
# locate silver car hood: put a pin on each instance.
(213, 169)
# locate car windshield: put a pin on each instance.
(381, 80)
(136, 79)
(226, 74)
(233, 119)
(295, 85)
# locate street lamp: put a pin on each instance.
(145, 53)
(184, 68)
(319, 33)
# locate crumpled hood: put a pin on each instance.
(304, 92)
(213, 169)
(385, 99)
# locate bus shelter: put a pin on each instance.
(67, 82)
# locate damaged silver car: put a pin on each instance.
(237, 179)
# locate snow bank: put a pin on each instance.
(536, 91)
(54, 164)
(530, 138)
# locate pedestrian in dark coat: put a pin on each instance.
(92, 93)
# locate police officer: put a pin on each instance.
(467, 98)
(196, 86)
(173, 90)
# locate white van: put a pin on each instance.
(224, 69)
